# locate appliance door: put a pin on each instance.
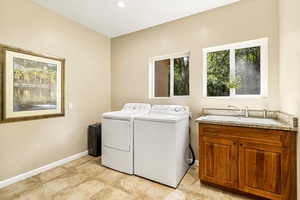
(116, 134)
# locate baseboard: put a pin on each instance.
(196, 162)
(40, 170)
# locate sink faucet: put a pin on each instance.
(246, 109)
(246, 112)
(264, 113)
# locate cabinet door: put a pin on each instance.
(218, 161)
(263, 170)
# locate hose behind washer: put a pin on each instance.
(193, 154)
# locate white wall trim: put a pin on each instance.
(196, 162)
(40, 170)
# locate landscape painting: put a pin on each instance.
(32, 85)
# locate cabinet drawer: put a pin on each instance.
(257, 135)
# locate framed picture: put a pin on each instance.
(32, 85)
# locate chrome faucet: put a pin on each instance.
(264, 113)
(246, 110)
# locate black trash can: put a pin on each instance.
(94, 139)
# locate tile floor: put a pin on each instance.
(85, 178)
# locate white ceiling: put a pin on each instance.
(105, 17)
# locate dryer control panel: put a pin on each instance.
(137, 107)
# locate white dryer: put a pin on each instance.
(161, 144)
(117, 136)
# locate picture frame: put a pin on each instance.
(32, 85)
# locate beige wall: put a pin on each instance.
(290, 63)
(25, 146)
(245, 20)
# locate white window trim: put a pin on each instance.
(152, 72)
(263, 43)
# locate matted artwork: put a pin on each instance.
(32, 85)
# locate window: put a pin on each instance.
(169, 76)
(236, 70)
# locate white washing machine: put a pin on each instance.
(117, 136)
(161, 144)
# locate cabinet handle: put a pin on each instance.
(241, 144)
(234, 143)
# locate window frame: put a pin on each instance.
(263, 43)
(152, 75)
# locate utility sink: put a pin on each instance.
(240, 120)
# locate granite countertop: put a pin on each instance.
(287, 122)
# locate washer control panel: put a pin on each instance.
(171, 109)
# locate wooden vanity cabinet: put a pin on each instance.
(257, 161)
